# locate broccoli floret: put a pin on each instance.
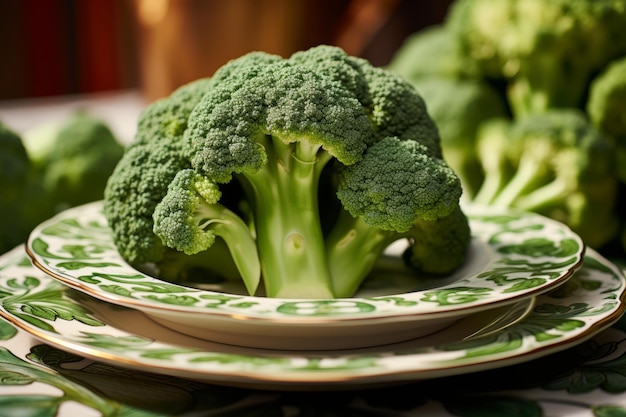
(141, 178)
(75, 159)
(23, 202)
(561, 167)
(397, 191)
(190, 218)
(547, 50)
(264, 145)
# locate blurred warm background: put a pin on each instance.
(61, 47)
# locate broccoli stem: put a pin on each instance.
(235, 233)
(492, 144)
(495, 178)
(544, 197)
(353, 248)
(289, 233)
(530, 171)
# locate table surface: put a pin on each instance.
(35, 379)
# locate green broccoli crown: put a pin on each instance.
(84, 155)
(289, 102)
(244, 158)
(397, 183)
(547, 49)
(141, 178)
(177, 220)
(433, 51)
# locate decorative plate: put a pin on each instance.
(586, 304)
(513, 256)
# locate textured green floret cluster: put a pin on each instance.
(530, 97)
(51, 167)
(292, 173)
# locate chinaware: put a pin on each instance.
(513, 255)
(592, 300)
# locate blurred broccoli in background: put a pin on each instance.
(557, 164)
(75, 158)
(555, 141)
(433, 51)
(548, 51)
(23, 202)
(50, 168)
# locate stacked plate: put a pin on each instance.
(529, 288)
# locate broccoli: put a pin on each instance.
(433, 51)
(75, 158)
(23, 202)
(306, 168)
(554, 163)
(546, 50)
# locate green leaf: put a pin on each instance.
(7, 331)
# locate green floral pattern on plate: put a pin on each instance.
(589, 302)
(514, 255)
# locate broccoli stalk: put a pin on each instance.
(287, 219)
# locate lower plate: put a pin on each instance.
(589, 302)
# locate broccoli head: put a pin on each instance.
(547, 50)
(75, 158)
(266, 158)
(433, 51)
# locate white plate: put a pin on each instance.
(513, 256)
(589, 302)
